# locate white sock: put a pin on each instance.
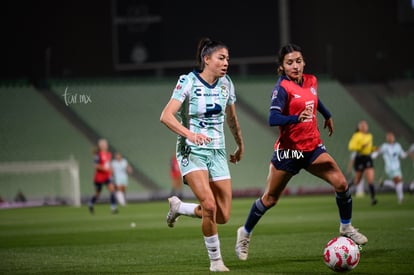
(344, 226)
(120, 198)
(389, 183)
(360, 187)
(213, 247)
(247, 234)
(399, 191)
(187, 209)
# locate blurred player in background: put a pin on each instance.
(293, 108)
(204, 99)
(411, 154)
(121, 169)
(361, 142)
(176, 178)
(391, 152)
(359, 188)
(103, 175)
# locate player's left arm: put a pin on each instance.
(328, 117)
(403, 154)
(234, 126)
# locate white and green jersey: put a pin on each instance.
(392, 152)
(204, 105)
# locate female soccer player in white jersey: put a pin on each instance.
(392, 151)
(203, 100)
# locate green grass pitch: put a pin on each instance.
(288, 240)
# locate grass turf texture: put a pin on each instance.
(288, 240)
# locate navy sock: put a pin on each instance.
(344, 202)
(256, 212)
(113, 200)
(93, 200)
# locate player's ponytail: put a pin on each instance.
(206, 47)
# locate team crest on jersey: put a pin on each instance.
(274, 95)
(224, 91)
(313, 90)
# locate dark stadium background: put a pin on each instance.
(353, 41)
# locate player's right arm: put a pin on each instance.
(169, 119)
(168, 115)
(276, 117)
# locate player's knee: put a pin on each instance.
(223, 217)
(340, 185)
(269, 200)
(209, 207)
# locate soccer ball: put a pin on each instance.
(341, 254)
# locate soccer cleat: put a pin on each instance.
(173, 214)
(218, 266)
(242, 244)
(353, 234)
(114, 211)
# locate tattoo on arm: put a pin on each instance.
(234, 127)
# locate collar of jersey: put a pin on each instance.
(284, 77)
(197, 74)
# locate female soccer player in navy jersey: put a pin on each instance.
(204, 99)
(299, 146)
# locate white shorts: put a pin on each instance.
(212, 160)
(392, 173)
(121, 180)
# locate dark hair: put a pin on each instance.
(206, 47)
(284, 51)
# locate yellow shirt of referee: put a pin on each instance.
(362, 143)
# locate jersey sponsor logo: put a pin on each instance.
(203, 124)
(197, 92)
(212, 109)
(310, 105)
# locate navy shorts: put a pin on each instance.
(99, 185)
(293, 161)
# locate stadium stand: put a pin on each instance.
(32, 130)
(126, 112)
(403, 106)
